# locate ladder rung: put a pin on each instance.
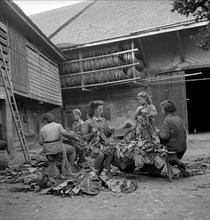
(4, 70)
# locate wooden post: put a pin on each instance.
(81, 68)
(144, 58)
(133, 58)
(181, 51)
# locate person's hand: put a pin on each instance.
(77, 137)
(95, 129)
(157, 130)
(143, 110)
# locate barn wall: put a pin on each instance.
(18, 60)
(35, 79)
(120, 104)
(173, 89)
(30, 116)
(43, 76)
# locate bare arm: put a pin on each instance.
(69, 134)
(40, 139)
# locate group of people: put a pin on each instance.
(95, 133)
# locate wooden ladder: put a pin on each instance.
(13, 106)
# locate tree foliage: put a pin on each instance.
(200, 9)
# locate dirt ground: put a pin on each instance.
(155, 198)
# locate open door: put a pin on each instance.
(198, 90)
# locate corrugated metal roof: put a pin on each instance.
(105, 20)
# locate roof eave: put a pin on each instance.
(33, 27)
(142, 33)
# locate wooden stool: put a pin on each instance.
(171, 156)
(52, 169)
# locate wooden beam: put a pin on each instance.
(88, 90)
(133, 58)
(180, 48)
(95, 71)
(81, 68)
(101, 56)
(145, 62)
(124, 81)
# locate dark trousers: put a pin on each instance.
(179, 156)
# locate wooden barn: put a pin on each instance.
(115, 49)
(32, 63)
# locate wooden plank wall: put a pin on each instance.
(4, 44)
(18, 60)
(44, 81)
(173, 89)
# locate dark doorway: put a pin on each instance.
(198, 90)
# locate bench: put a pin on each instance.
(171, 156)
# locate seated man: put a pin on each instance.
(50, 137)
(172, 133)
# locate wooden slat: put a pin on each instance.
(5, 50)
(101, 56)
(6, 58)
(95, 71)
(32, 47)
(3, 41)
(45, 78)
(45, 84)
(40, 91)
(34, 59)
(3, 27)
(38, 70)
(123, 81)
(51, 101)
(37, 91)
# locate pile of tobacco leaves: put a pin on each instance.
(141, 145)
(33, 178)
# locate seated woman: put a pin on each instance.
(142, 150)
(77, 129)
(97, 133)
(78, 122)
(50, 137)
(173, 133)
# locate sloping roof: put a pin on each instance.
(105, 19)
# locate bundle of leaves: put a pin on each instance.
(139, 152)
(142, 146)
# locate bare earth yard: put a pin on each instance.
(155, 198)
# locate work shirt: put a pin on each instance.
(77, 126)
(50, 138)
(150, 110)
(99, 124)
(173, 133)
